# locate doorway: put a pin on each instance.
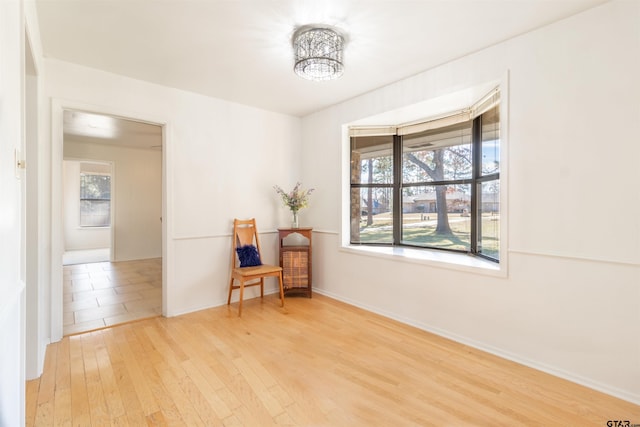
(111, 215)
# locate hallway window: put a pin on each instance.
(95, 200)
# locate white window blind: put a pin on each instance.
(484, 104)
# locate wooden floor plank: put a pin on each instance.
(48, 378)
(156, 420)
(80, 412)
(91, 343)
(132, 354)
(45, 414)
(31, 393)
(170, 413)
(200, 402)
(220, 408)
(316, 362)
(178, 396)
(132, 406)
(63, 408)
(110, 388)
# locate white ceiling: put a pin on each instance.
(240, 50)
(85, 127)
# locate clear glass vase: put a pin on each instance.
(294, 221)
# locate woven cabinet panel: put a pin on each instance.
(295, 269)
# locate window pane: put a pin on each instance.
(95, 200)
(489, 219)
(372, 160)
(95, 187)
(437, 154)
(491, 142)
(95, 213)
(371, 215)
(437, 216)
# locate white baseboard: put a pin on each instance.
(248, 294)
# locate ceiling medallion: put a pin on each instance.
(318, 53)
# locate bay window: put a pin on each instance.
(433, 184)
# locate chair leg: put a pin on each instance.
(241, 296)
(281, 290)
(262, 287)
(230, 290)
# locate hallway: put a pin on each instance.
(102, 294)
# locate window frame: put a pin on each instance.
(475, 182)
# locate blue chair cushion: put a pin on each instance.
(249, 256)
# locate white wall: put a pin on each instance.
(570, 303)
(76, 237)
(12, 282)
(221, 161)
(137, 196)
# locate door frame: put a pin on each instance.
(58, 106)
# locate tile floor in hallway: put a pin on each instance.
(104, 294)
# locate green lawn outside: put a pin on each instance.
(419, 229)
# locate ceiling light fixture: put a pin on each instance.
(318, 53)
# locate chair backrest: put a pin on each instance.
(245, 232)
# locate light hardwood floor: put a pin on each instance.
(317, 362)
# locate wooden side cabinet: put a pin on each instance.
(295, 260)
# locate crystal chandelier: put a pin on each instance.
(318, 53)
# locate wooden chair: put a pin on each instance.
(246, 233)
